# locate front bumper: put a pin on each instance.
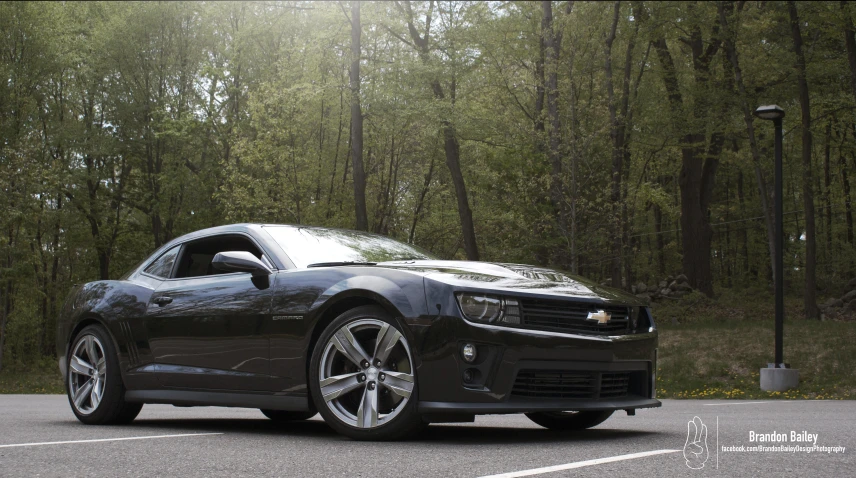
(537, 406)
(520, 370)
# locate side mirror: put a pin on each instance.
(240, 261)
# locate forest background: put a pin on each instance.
(611, 140)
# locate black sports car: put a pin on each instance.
(378, 336)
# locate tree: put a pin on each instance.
(357, 121)
(810, 292)
(698, 165)
(421, 42)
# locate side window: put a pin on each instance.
(197, 255)
(163, 265)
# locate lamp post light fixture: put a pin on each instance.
(778, 376)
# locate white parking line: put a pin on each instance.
(108, 439)
(737, 403)
(580, 464)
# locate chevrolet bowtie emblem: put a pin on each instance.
(600, 316)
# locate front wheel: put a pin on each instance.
(94, 383)
(362, 377)
(569, 420)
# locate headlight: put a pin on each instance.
(480, 308)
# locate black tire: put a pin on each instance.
(112, 409)
(569, 420)
(284, 416)
(407, 422)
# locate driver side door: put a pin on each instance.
(206, 328)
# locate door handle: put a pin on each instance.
(162, 301)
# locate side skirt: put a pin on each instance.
(219, 399)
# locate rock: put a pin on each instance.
(666, 292)
(681, 278)
(670, 278)
(645, 297)
(641, 288)
(849, 296)
(852, 284)
(633, 289)
(850, 306)
(832, 303)
(678, 285)
(663, 284)
(679, 293)
(683, 287)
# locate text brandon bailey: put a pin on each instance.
(775, 437)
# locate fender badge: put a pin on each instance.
(601, 316)
(287, 317)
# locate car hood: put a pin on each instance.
(512, 278)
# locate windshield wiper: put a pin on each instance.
(342, 263)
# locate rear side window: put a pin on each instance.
(163, 265)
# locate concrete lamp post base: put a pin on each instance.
(775, 379)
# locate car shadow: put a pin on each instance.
(458, 435)
(436, 434)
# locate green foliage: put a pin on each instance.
(123, 126)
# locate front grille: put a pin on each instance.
(557, 384)
(572, 316)
(614, 384)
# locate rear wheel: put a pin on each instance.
(94, 382)
(287, 416)
(362, 377)
(569, 420)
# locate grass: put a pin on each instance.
(40, 377)
(717, 348)
(714, 350)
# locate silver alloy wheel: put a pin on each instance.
(87, 374)
(362, 390)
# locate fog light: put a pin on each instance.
(468, 352)
(468, 375)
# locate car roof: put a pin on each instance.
(281, 259)
(248, 226)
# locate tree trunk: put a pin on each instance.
(845, 185)
(661, 242)
(617, 156)
(810, 301)
(827, 182)
(539, 87)
(453, 162)
(744, 235)
(574, 157)
(552, 43)
(420, 203)
(357, 122)
(696, 176)
(850, 46)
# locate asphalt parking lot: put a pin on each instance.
(39, 436)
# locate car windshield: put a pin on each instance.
(306, 246)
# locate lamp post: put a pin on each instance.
(778, 376)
